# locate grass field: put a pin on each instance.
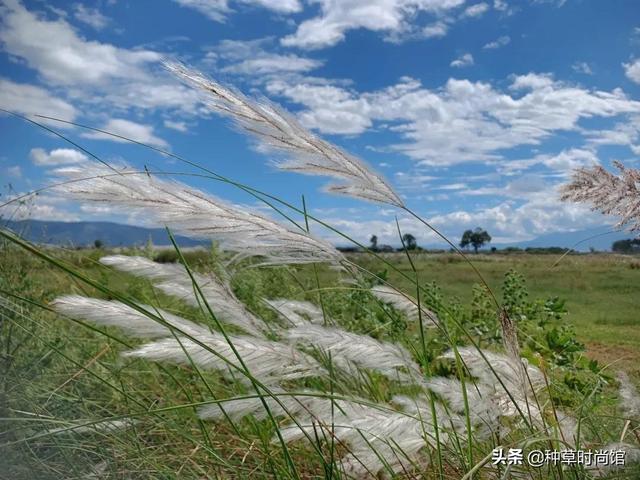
(602, 291)
(55, 370)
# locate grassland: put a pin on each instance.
(602, 291)
(53, 369)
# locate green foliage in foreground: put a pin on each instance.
(56, 374)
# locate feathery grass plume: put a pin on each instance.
(296, 312)
(351, 351)
(268, 361)
(107, 426)
(567, 427)
(376, 437)
(277, 130)
(116, 314)
(237, 409)
(608, 193)
(509, 335)
(174, 280)
(405, 304)
(484, 411)
(604, 468)
(629, 398)
(196, 214)
(515, 394)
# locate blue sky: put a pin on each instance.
(474, 111)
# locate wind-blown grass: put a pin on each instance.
(295, 376)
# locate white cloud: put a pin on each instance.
(178, 126)
(499, 42)
(582, 67)
(132, 130)
(465, 60)
(476, 10)
(14, 171)
(90, 16)
(96, 75)
(217, 10)
(29, 100)
(37, 207)
(338, 17)
(632, 70)
(563, 163)
(483, 121)
(58, 156)
(435, 30)
(55, 50)
(623, 133)
(251, 58)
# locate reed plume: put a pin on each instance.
(276, 130)
(405, 304)
(607, 193)
(174, 280)
(196, 214)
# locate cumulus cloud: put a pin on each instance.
(337, 18)
(435, 30)
(217, 10)
(476, 10)
(178, 126)
(56, 51)
(483, 120)
(97, 74)
(58, 156)
(465, 60)
(29, 100)
(90, 16)
(632, 70)
(252, 58)
(132, 130)
(623, 133)
(498, 43)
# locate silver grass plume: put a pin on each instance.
(349, 350)
(520, 396)
(276, 130)
(106, 426)
(174, 280)
(484, 411)
(268, 361)
(629, 398)
(297, 313)
(605, 468)
(373, 434)
(196, 214)
(608, 193)
(116, 314)
(405, 304)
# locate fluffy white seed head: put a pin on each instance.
(133, 322)
(270, 362)
(278, 131)
(195, 214)
(629, 398)
(351, 351)
(174, 280)
(405, 304)
(295, 312)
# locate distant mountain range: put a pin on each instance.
(86, 233)
(116, 235)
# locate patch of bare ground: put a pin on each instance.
(616, 357)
